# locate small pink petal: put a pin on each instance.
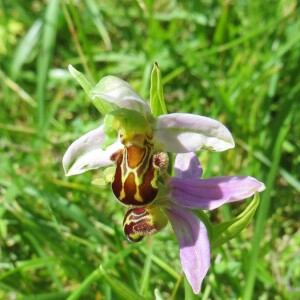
(187, 165)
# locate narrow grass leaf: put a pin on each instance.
(288, 176)
(9, 289)
(119, 287)
(85, 285)
(173, 74)
(27, 265)
(45, 57)
(280, 131)
(17, 89)
(25, 48)
(176, 287)
(96, 274)
(220, 32)
(146, 270)
(47, 296)
(162, 264)
(118, 237)
(93, 7)
(73, 32)
(76, 213)
(48, 262)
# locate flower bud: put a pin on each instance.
(140, 222)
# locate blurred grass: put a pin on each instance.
(236, 61)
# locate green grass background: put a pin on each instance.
(236, 61)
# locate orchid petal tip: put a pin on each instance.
(262, 187)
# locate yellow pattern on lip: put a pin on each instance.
(137, 170)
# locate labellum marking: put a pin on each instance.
(137, 224)
(136, 176)
(140, 222)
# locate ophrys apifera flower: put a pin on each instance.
(136, 142)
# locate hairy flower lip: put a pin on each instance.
(141, 222)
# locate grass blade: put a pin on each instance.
(26, 47)
(286, 116)
(97, 19)
(119, 287)
(45, 57)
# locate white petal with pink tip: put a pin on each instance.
(85, 153)
(181, 133)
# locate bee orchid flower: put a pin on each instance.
(182, 193)
(133, 143)
(136, 142)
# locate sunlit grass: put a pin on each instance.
(238, 63)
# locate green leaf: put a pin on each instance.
(96, 274)
(81, 79)
(48, 42)
(157, 101)
(119, 287)
(26, 47)
(224, 232)
(94, 10)
(103, 106)
(161, 263)
(204, 218)
(146, 273)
